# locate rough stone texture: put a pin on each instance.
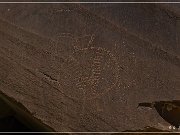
(86, 67)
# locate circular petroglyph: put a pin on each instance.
(89, 72)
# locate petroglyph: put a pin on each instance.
(93, 71)
(87, 72)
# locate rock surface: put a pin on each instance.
(80, 67)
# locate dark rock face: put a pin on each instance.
(168, 110)
(14, 117)
(86, 67)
